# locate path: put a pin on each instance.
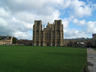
(91, 57)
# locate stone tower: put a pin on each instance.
(37, 33)
(58, 26)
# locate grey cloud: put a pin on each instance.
(20, 15)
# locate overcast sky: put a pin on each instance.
(78, 16)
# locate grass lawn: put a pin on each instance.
(41, 59)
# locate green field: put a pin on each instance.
(41, 59)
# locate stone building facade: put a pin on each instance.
(6, 40)
(94, 40)
(52, 35)
(94, 36)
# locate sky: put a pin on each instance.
(78, 17)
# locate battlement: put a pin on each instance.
(38, 22)
(58, 22)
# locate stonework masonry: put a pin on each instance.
(5, 40)
(52, 35)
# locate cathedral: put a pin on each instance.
(52, 35)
